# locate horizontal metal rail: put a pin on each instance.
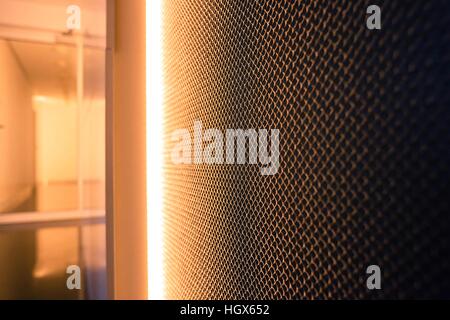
(14, 221)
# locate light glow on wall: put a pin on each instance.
(154, 111)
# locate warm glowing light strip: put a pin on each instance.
(154, 107)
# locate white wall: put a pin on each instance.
(57, 140)
(17, 134)
(59, 159)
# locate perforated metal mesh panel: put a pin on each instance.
(364, 122)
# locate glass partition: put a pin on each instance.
(52, 147)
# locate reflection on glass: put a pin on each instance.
(33, 266)
(52, 147)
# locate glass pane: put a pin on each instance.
(32, 266)
(52, 142)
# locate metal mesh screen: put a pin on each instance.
(364, 149)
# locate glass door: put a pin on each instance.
(52, 147)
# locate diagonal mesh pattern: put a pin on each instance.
(364, 150)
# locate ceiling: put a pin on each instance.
(35, 31)
(52, 69)
(48, 18)
(86, 4)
